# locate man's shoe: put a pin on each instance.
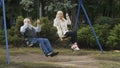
(49, 54)
(28, 43)
(54, 54)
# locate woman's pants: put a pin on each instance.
(73, 35)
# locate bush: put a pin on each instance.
(48, 31)
(116, 20)
(15, 38)
(114, 38)
(83, 36)
(2, 37)
(107, 20)
(104, 20)
(86, 37)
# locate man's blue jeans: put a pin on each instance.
(44, 44)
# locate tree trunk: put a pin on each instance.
(40, 10)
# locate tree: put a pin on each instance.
(27, 5)
(52, 6)
(109, 8)
(12, 11)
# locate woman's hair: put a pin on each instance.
(58, 13)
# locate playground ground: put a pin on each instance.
(34, 58)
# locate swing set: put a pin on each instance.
(80, 6)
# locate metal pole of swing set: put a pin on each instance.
(5, 31)
(89, 22)
(78, 14)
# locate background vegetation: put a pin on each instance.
(104, 15)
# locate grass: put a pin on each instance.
(3, 64)
(24, 50)
(112, 58)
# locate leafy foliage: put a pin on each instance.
(114, 38)
(87, 39)
(60, 5)
(83, 36)
(53, 6)
(27, 5)
(47, 30)
(107, 20)
(104, 20)
(15, 36)
(2, 37)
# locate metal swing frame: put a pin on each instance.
(81, 6)
(2, 4)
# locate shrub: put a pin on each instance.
(104, 20)
(114, 38)
(107, 20)
(102, 32)
(47, 30)
(2, 37)
(116, 20)
(86, 37)
(83, 36)
(15, 38)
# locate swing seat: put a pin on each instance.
(65, 38)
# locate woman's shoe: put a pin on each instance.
(75, 47)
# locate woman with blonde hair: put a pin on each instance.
(62, 29)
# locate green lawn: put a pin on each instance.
(113, 57)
